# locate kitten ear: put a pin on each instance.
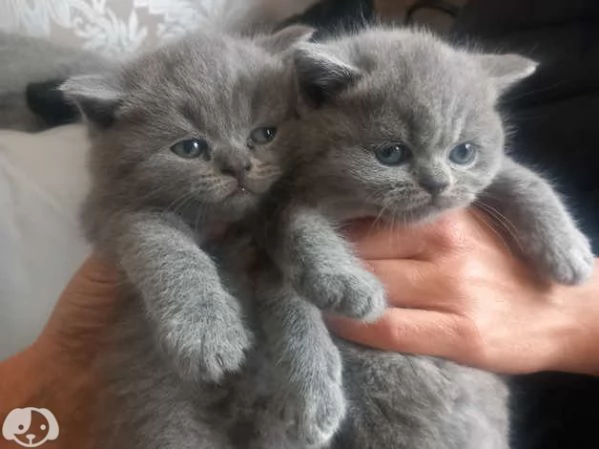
(97, 96)
(506, 70)
(322, 76)
(286, 38)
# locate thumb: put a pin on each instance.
(86, 306)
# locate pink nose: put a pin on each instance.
(30, 437)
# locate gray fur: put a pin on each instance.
(359, 94)
(154, 213)
(308, 399)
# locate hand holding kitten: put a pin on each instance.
(457, 292)
(58, 370)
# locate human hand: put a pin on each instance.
(83, 312)
(57, 371)
(456, 291)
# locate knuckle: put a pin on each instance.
(449, 234)
(391, 331)
(457, 284)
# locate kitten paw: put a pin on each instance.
(316, 408)
(224, 347)
(569, 261)
(215, 343)
(350, 291)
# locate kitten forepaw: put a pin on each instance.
(571, 261)
(224, 350)
(322, 411)
(215, 344)
(349, 291)
(316, 406)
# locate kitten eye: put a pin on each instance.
(263, 135)
(392, 154)
(190, 148)
(463, 154)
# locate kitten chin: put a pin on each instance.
(431, 210)
(240, 203)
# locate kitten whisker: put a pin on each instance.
(498, 213)
(379, 217)
(490, 224)
(494, 219)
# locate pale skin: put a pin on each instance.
(55, 371)
(454, 289)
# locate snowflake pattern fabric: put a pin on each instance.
(115, 28)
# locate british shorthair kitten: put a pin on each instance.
(185, 143)
(395, 124)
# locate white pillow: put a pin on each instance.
(43, 180)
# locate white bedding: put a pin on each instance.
(43, 180)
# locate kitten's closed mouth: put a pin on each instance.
(241, 189)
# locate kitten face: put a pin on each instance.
(195, 123)
(402, 122)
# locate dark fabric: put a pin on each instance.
(336, 16)
(555, 113)
(555, 118)
(46, 101)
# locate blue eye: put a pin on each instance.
(190, 148)
(463, 154)
(261, 136)
(392, 154)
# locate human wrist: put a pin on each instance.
(577, 348)
(37, 377)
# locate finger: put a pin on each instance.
(407, 331)
(414, 284)
(374, 240)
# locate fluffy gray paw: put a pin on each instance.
(349, 290)
(568, 259)
(213, 344)
(315, 405)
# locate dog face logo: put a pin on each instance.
(30, 427)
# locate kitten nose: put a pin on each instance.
(237, 169)
(432, 185)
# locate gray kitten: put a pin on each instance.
(397, 125)
(184, 144)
